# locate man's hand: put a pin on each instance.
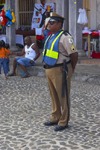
(19, 54)
(74, 59)
(31, 61)
(13, 53)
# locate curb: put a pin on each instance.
(84, 77)
(83, 73)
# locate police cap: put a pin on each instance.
(56, 17)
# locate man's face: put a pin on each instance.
(54, 26)
(26, 41)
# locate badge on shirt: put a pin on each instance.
(73, 48)
(70, 41)
(27, 52)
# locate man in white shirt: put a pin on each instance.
(31, 52)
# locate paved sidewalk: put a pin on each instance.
(87, 73)
(25, 105)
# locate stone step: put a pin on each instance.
(33, 71)
(83, 72)
(37, 70)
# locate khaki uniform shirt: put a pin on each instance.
(66, 47)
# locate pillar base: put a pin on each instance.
(81, 53)
(15, 49)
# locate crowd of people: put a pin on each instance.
(59, 60)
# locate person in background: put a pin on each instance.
(46, 29)
(42, 2)
(4, 58)
(7, 53)
(31, 52)
(59, 58)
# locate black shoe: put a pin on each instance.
(59, 128)
(25, 76)
(12, 74)
(49, 123)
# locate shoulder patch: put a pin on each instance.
(73, 48)
(70, 41)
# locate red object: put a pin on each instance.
(85, 50)
(95, 33)
(49, 33)
(4, 20)
(85, 33)
(39, 37)
(43, 4)
(95, 55)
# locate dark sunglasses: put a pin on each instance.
(52, 22)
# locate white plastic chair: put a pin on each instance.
(94, 44)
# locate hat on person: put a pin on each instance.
(56, 17)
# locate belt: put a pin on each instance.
(56, 65)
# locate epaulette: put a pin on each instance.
(66, 33)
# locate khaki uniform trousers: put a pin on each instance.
(59, 104)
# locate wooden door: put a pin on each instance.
(26, 8)
(86, 6)
(2, 2)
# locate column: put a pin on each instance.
(17, 13)
(74, 28)
(62, 10)
(10, 31)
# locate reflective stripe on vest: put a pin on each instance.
(51, 52)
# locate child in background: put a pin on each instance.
(4, 58)
(7, 53)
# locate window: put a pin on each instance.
(2, 2)
(26, 8)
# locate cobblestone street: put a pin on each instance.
(25, 105)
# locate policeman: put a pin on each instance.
(59, 48)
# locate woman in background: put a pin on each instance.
(46, 30)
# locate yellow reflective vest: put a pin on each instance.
(51, 52)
